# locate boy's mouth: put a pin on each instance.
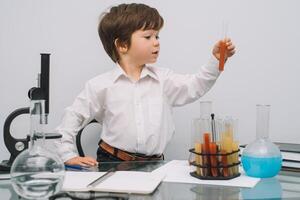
(155, 52)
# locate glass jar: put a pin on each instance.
(37, 173)
(262, 158)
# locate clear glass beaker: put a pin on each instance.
(262, 158)
(37, 173)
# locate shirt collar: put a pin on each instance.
(146, 71)
(117, 73)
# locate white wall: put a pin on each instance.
(264, 69)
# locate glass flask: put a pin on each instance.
(37, 173)
(262, 158)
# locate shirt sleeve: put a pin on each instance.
(183, 89)
(86, 107)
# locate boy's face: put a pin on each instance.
(144, 46)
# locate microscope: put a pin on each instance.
(16, 146)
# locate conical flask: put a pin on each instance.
(37, 173)
(262, 158)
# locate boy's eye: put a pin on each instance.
(148, 37)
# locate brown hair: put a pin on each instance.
(122, 21)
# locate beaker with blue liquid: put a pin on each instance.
(262, 158)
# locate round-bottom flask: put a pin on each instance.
(262, 158)
(37, 173)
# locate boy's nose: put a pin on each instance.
(156, 42)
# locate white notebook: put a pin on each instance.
(120, 182)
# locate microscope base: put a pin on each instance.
(5, 166)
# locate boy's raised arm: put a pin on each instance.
(183, 89)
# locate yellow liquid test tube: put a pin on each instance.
(198, 158)
(228, 143)
(235, 147)
(228, 149)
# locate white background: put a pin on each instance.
(264, 70)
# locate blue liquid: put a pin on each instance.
(261, 167)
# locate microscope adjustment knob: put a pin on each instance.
(19, 146)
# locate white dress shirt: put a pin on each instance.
(136, 115)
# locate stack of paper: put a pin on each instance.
(291, 155)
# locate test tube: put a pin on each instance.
(206, 150)
(197, 142)
(223, 46)
(235, 145)
(198, 158)
(213, 148)
(206, 133)
(228, 142)
(222, 142)
(205, 126)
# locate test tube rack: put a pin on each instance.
(223, 171)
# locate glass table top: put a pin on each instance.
(286, 185)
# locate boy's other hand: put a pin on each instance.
(228, 53)
(86, 161)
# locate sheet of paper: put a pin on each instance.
(130, 181)
(77, 181)
(178, 171)
(120, 181)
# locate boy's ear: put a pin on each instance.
(120, 46)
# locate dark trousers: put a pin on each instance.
(103, 156)
(113, 162)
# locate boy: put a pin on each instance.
(134, 101)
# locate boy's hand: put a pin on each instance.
(228, 53)
(86, 161)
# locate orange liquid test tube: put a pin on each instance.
(213, 159)
(223, 49)
(223, 46)
(206, 158)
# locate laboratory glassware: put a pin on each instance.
(262, 158)
(37, 173)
